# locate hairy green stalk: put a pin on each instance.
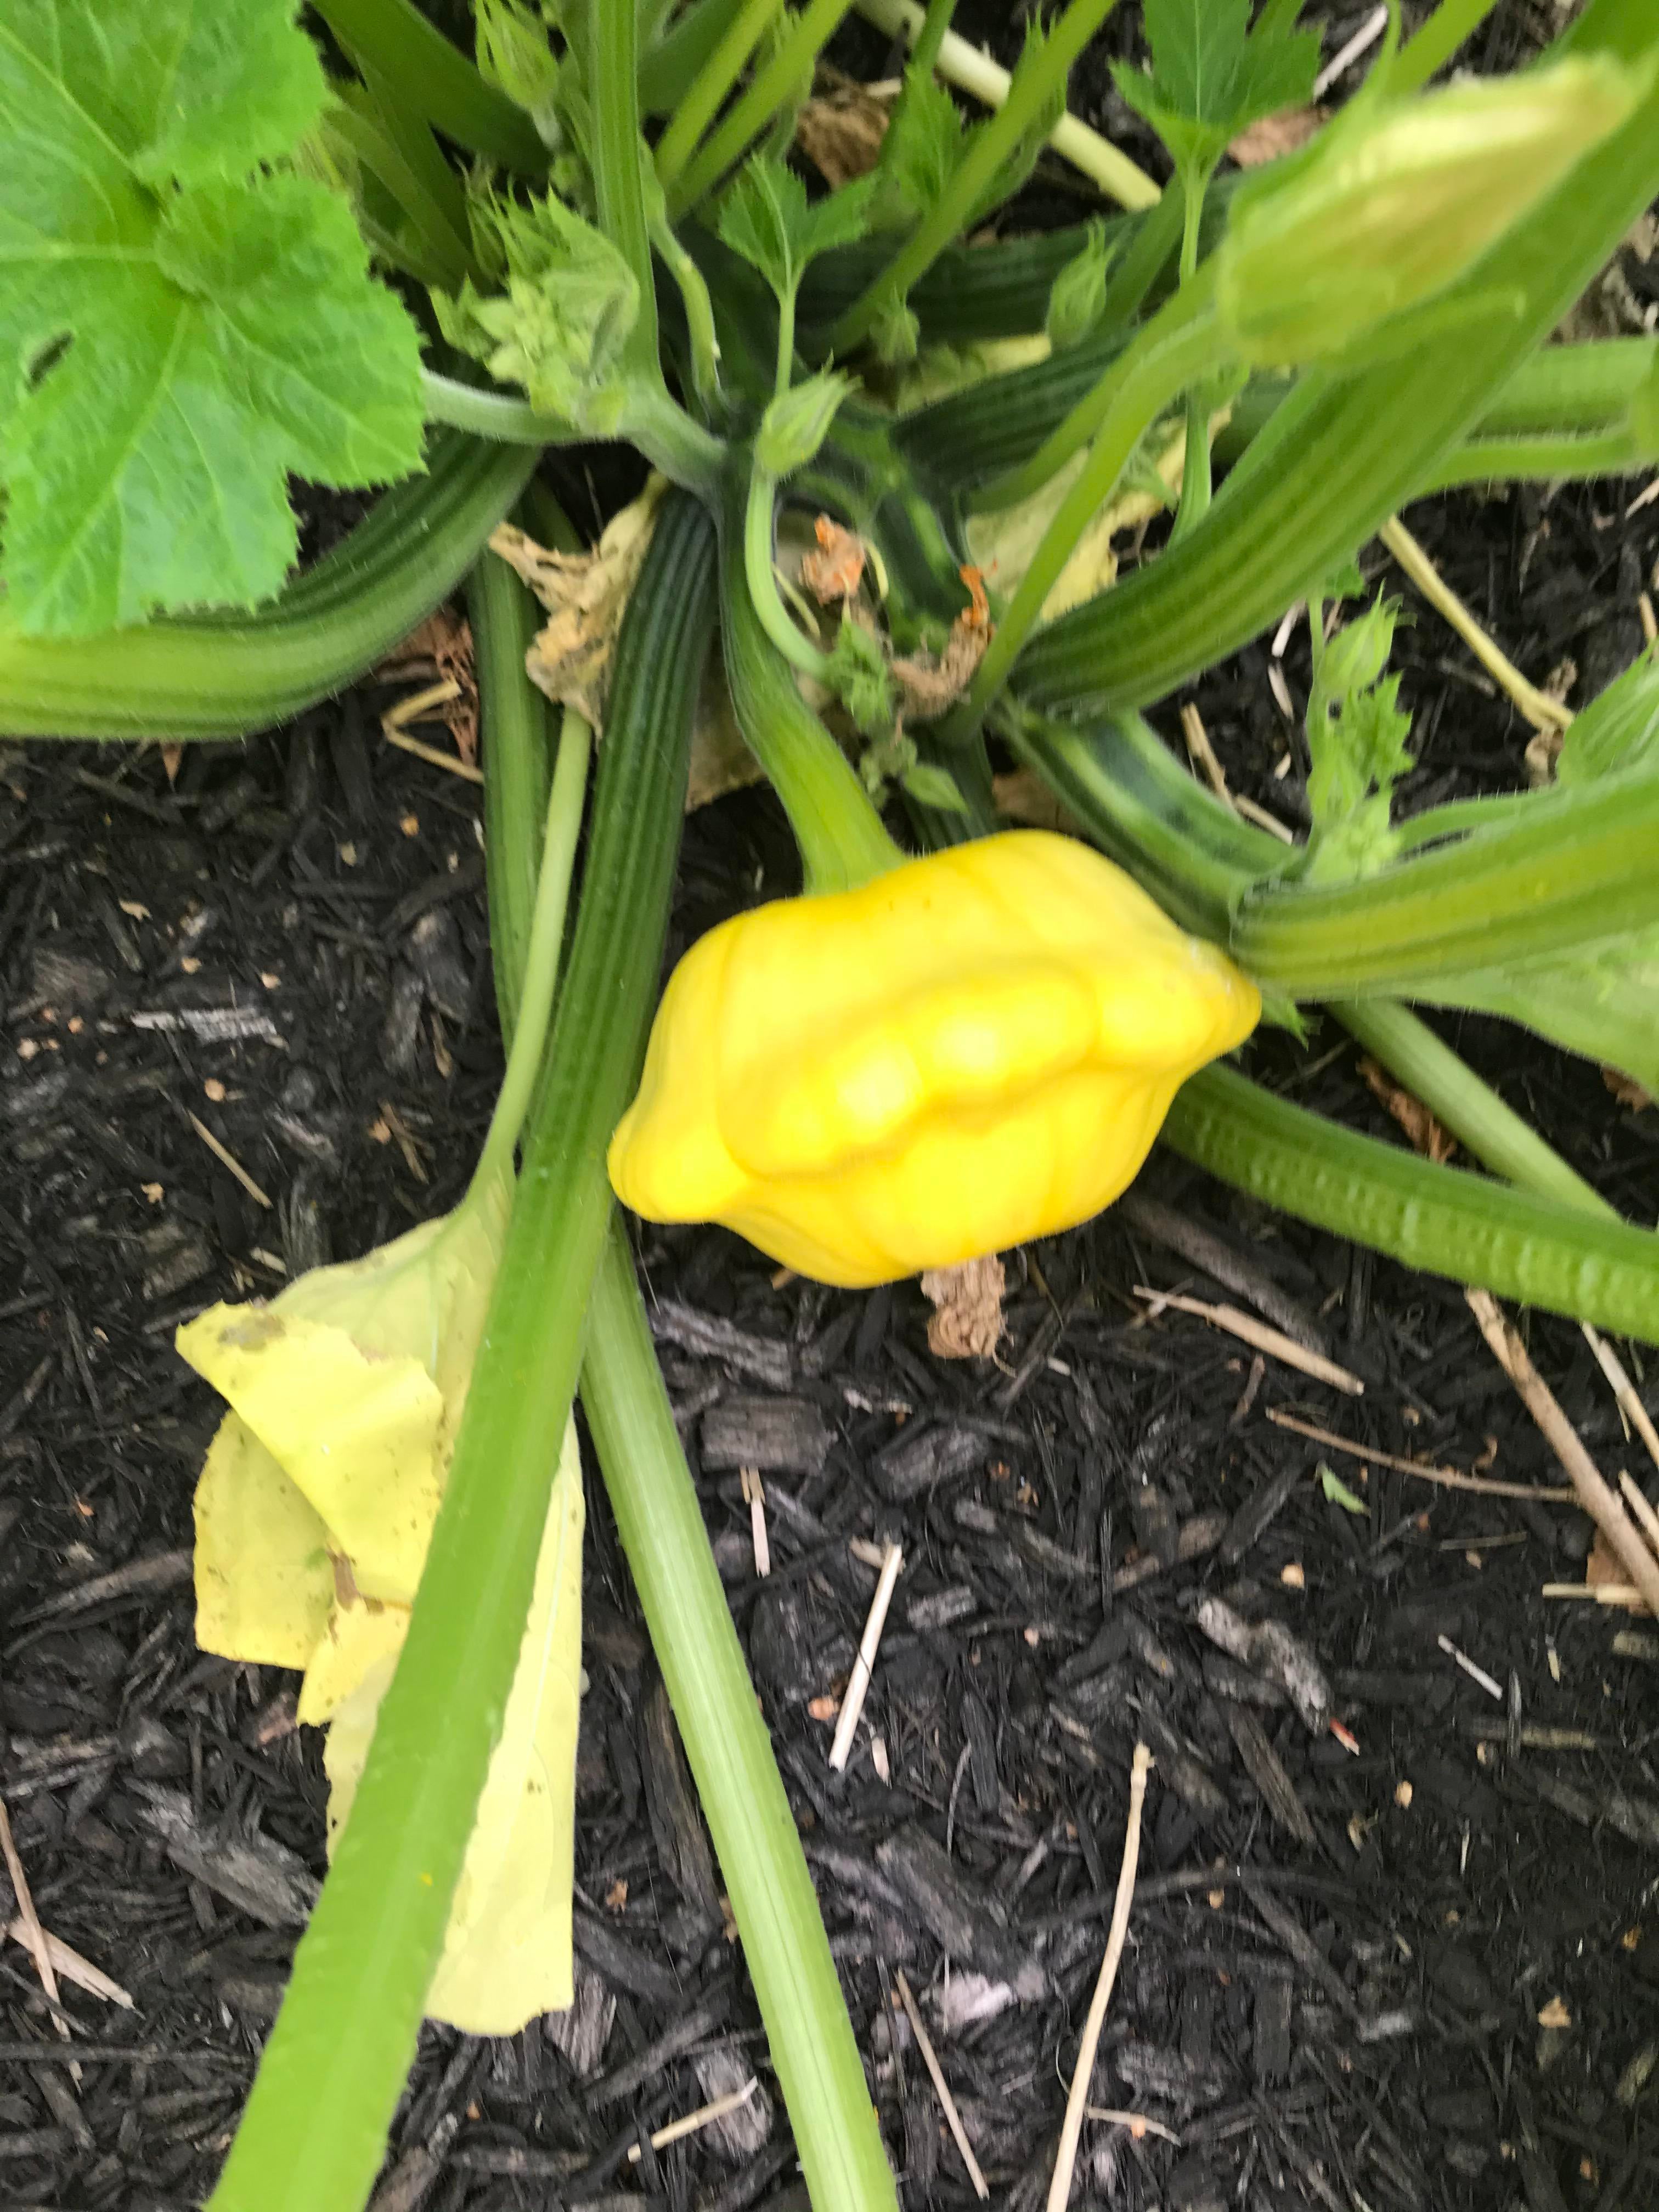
(445, 252)
(702, 102)
(436, 81)
(660, 1523)
(1435, 43)
(1572, 870)
(772, 85)
(759, 524)
(671, 440)
(220, 677)
(618, 157)
(1497, 1137)
(314, 2128)
(1035, 83)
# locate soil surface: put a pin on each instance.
(1415, 1964)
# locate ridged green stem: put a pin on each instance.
(517, 725)
(840, 836)
(1536, 1251)
(208, 677)
(1345, 450)
(313, 2133)
(617, 156)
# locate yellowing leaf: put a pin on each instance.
(247, 1510)
(585, 593)
(356, 1432)
(506, 1957)
(361, 1635)
(313, 1515)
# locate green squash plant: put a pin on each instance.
(232, 250)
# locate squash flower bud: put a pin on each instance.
(313, 1513)
(1395, 204)
(971, 1049)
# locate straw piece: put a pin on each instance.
(1248, 1330)
(1595, 1494)
(857, 1688)
(1059, 2188)
(941, 2087)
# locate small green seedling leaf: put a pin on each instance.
(559, 325)
(767, 217)
(1079, 296)
(1337, 1493)
(1213, 76)
(1618, 731)
(180, 329)
(1356, 740)
(859, 675)
(919, 153)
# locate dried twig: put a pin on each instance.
(1645, 1515)
(1137, 2124)
(947, 2102)
(227, 1158)
(1595, 1494)
(1059, 2188)
(704, 2116)
(1448, 1478)
(754, 1492)
(1476, 1673)
(852, 1704)
(1248, 1330)
(72, 1967)
(1623, 1594)
(1624, 1390)
(1538, 708)
(34, 1936)
(432, 755)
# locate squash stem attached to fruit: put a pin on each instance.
(840, 833)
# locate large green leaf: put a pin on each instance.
(178, 330)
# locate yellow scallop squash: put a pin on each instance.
(972, 1049)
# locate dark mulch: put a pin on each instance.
(1337, 1957)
